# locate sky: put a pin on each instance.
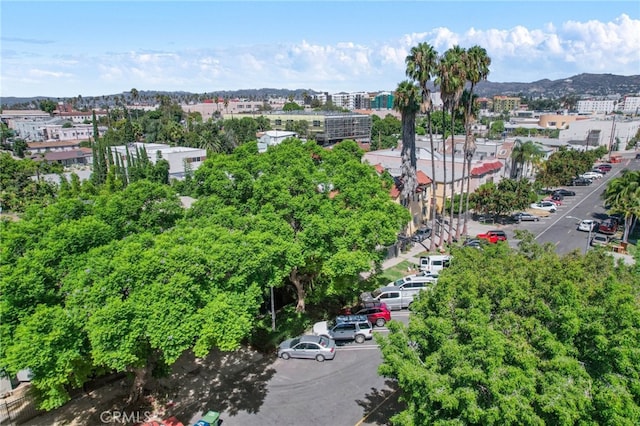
(95, 48)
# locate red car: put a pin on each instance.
(493, 236)
(377, 315)
(609, 227)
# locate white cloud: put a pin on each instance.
(38, 73)
(554, 50)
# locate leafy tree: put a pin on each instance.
(520, 337)
(47, 105)
(385, 131)
(509, 195)
(20, 146)
(331, 210)
(292, 106)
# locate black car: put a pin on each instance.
(564, 192)
(581, 182)
(523, 216)
(421, 234)
(557, 197)
(637, 156)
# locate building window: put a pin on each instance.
(278, 122)
(316, 123)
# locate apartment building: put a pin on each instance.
(505, 103)
(596, 106)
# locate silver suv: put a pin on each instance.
(345, 327)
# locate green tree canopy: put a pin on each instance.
(521, 338)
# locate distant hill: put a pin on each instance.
(578, 85)
(582, 84)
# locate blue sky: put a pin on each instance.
(92, 48)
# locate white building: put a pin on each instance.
(596, 106)
(181, 159)
(631, 105)
(273, 137)
(608, 129)
(57, 132)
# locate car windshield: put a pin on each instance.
(294, 342)
(376, 293)
(398, 282)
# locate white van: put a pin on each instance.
(434, 263)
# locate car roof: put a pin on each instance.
(309, 338)
(351, 318)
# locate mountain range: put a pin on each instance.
(581, 85)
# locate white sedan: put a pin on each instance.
(591, 175)
(587, 225)
(545, 205)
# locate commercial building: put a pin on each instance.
(327, 128)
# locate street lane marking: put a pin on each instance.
(604, 181)
(362, 420)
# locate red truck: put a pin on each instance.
(493, 236)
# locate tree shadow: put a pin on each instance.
(223, 381)
(231, 381)
(380, 405)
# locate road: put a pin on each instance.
(344, 391)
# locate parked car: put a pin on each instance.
(608, 226)
(588, 225)
(591, 175)
(581, 182)
(309, 347)
(637, 156)
(421, 234)
(545, 205)
(599, 240)
(564, 192)
(554, 201)
(493, 236)
(474, 242)
(345, 327)
(603, 167)
(391, 296)
(524, 217)
(378, 315)
(422, 278)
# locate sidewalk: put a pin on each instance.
(413, 254)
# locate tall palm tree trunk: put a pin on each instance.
(444, 174)
(462, 192)
(433, 201)
(453, 178)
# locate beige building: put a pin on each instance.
(505, 103)
(482, 171)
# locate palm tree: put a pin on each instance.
(422, 63)
(452, 78)
(407, 102)
(469, 150)
(134, 95)
(477, 70)
(527, 153)
(623, 195)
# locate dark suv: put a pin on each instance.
(345, 327)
